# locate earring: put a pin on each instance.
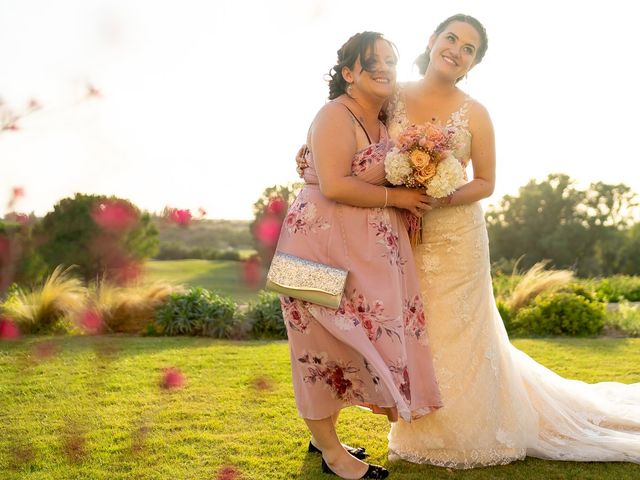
(349, 90)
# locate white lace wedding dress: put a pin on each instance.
(499, 404)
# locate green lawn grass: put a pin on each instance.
(222, 276)
(94, 410)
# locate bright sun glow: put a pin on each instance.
(204, 104)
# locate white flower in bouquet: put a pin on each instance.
(448, 177)
(397, 167)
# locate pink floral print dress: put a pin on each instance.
(373, 350)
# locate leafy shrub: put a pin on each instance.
(505, 314)
(198, 311)
(560, 313)
(616, 288)
(265, 316)
(50, 307)
(624, 320)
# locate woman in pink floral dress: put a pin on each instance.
(371, 350)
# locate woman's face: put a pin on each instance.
(453, 52)
(379, 78)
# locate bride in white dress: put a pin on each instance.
(499, 404)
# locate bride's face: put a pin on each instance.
(453, 52)
(376, 74)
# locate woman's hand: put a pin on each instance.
(439, 202)
(301, 161)
(412, 199)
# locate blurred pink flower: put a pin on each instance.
(22, 455)
(128, 272)
(228, 472)
(114, 215)
(74, 443)
(252, 271)
(262, 383)
(92, 91)
(5, 246)
(91, 321)
(277, 205)
(17, 192)
(13, 126)
(172, 379)
(268, 230)
(8, 329)
(44, 350)
(34, 104)
(21, 218)
(178, 216)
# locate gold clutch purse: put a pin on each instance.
(306, 280)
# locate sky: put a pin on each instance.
(203, 104)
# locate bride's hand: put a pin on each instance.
(412, 199)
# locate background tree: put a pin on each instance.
(629, 254)
(269, 212)
(552, 219)
(102, 236)
(19, 261)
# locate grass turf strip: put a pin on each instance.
(92, 408)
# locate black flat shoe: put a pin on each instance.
(375, 472)
(359, 452)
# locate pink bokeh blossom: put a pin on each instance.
(228, 472)
(8, 329)
(172, 379)
(114, 215)
(268, 230)
(178, 216)
(276, 206)
(91, 321)
(252, 271)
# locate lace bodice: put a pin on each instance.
(397, 121)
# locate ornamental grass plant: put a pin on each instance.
(50, 307)
(131, 308)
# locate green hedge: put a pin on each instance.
(560, 313)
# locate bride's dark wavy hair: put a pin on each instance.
(423, 59)
(357, 46)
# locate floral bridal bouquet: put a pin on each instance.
(423, 158)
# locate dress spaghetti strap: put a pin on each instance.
(357, 120)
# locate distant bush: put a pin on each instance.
(265, 316)
(560, 313)
(616, 288)
(625, 320)
(176, 251)
(198, 311)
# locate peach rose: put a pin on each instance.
(419, 159)
(423, 174)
